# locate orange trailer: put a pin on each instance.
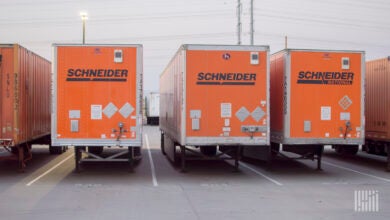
(378, 107)
(25, 101)
(214, 96)
(317, 98)
(97, 95)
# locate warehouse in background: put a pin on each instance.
(25, 102)
(378, 108)
(152, 108)
(97, 96)
(214, 97)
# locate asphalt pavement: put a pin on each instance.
(282, 189)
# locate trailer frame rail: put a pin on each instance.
(82, 155)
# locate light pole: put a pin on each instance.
(239, 6)
(252, 30)
(84, 17)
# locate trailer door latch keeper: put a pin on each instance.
(121, 130)
(347, 129)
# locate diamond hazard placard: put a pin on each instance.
(126, 110)
(242, 114)
(345, 102)
(257, 114)
(110, 110)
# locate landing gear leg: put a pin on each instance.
(183, 158)
(131, 159)
(319, 157)
(77, 153)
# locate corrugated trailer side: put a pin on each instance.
(323, 101)
(277, 91)
(378, 107)
(215, 97)
(171, 102)
(25, 104)
(97, 100)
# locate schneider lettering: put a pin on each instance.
(97, 74)
(226, 78)
(328, 78)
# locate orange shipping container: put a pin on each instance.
(97, 96)
(317, 98)
(378, 99)
(378, 107)
(214, 95)
(25, 97)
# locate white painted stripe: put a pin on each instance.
(48, 171)
(365, 200)
(359, 205)
(261, 174)
(377, 201)
(370, 196)
(355, 171)
(356, 200)
(151, 162)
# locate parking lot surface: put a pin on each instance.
(281, 189)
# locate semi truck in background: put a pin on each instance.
(214, 97)
(317, 99)
(152, 108)
(378, 108)
(25, 103)
(97, 99)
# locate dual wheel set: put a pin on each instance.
(206, 152)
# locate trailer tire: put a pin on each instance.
(208, 150)
(57, 150)
(14, 150)
(162, 144)
(275, 149)
(364, 147)
(370, 147)
(346, 150)
(137, 153)
(352, 150)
